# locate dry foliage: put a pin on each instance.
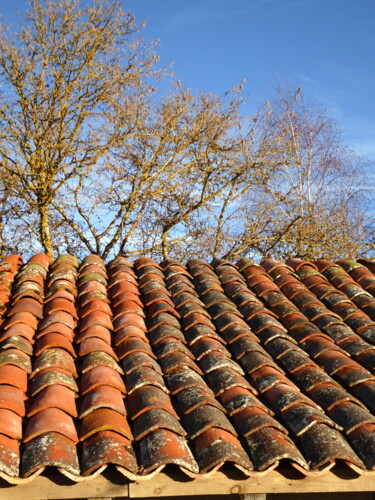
(315, 203)
(69, 79)
(94, 159)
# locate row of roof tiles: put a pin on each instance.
(143, 365)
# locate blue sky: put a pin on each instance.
(325, 46)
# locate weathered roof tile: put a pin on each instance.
(166, 364)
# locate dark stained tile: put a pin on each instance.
(50, 449)
(205, 417)
(177, 360)
(163, 332)
(171, 346)
(162, 351)
(329, 395)
(18, 342)
(51, 377)
(254, 360)
(283, 397)
(199, 332)
(363, 442)
(156, 419)
(206, 346)
(351, 416)
(225, 378)
(99, 358)
(147, 398)
(143, 376)
(132, 345)
(301, 417)
(268, 446)
(193, 397)
(267, 376)
(215, 446)
(366, 392)
(107, 447)
(54, 358)
(237, 398)
(185, 379)
(163, 447)
(323, 445)
(133, 362)
(16, 358)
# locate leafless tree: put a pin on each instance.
(153, 191)
(94, 158)
(315, 202)
(68, 77)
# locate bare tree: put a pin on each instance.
(68, 78)
(156, 189)
(313, 204)
(325, 182)
(93, 158)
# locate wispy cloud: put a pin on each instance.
(342, 84)
(366, 148)
(215, 10)
(351, 73)
(219, 10)
(340, 89)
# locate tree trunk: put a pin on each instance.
(164, 244)
(44, 230)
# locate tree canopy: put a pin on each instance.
(95, 157)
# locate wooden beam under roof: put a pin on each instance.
(339, 480)
(174, 483)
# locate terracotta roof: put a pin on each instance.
(142, 365)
